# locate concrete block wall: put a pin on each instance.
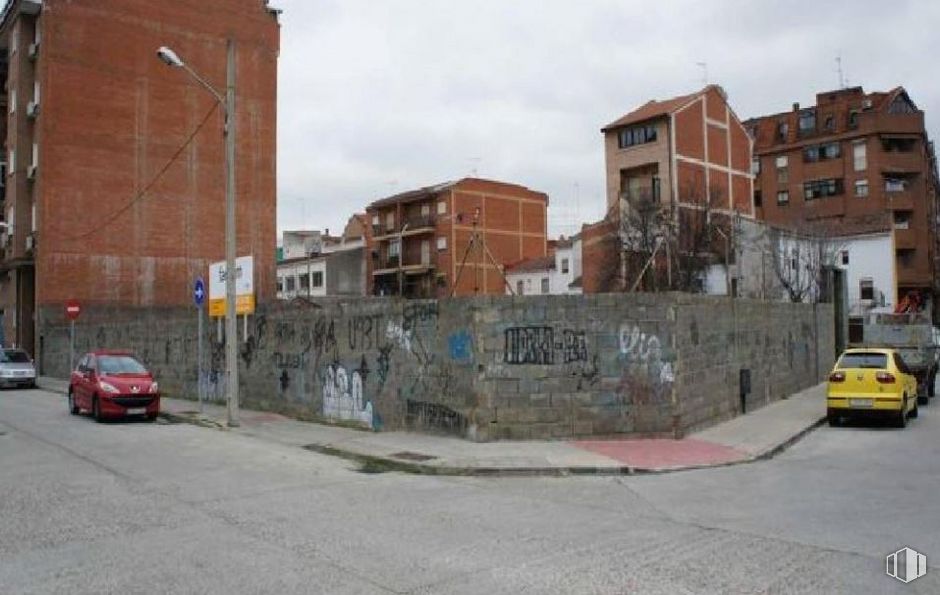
(485, 368)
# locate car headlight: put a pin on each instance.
(6, 373)
(154, 388)
(107, 387)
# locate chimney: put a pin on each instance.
(796, 106)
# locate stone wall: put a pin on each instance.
(487, 367)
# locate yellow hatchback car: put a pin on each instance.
(871, 383)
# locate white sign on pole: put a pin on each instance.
(244, 286)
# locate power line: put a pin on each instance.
(143, 192)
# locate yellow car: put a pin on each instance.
(871, 382)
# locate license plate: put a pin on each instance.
(136, 410)
(860, 402)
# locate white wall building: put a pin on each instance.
(558, 274)
(317, 264)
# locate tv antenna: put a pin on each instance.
(475, 161)
(478, 241)
(842, 81)
(704, 67)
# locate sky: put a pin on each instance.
(379, 97)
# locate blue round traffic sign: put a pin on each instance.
(199, 292)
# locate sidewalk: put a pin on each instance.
(757, 435)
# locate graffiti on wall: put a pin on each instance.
(542, 346)
(434, 416)
(645, 355)
(343, 395)
(460, 345)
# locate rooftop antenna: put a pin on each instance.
(704, 67)
(842, 81)
(476, 163)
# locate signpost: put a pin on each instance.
(244, 287)
(72, 310)
(199, 296)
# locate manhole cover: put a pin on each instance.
(412, 456)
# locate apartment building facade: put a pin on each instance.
(559, 273)
(418, 240)
(853, 154)
(689, 154)
(109, 194)
(317, 264)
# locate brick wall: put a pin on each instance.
(489, 367)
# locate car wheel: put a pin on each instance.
(900, 420)
(151, 417)
(96, 410)
(833, 418)
(73, 408)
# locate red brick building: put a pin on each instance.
(93, 117)
(418, 239)
(853, 154)
(681, 153)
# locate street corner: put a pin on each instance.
(661, 454)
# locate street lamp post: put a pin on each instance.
(227, 102)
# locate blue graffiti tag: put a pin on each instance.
(461, 347)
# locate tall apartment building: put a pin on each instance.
(418, 239)
(94, 117)
(680, 152)
(853, 154)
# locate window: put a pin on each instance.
(757, 199)
(853, 119)
(564, 266)
(441, 207)
(899, 145)
(895, 184)
(520, 289)
(425, 210)
(442, 243)
(902, 220)
(304, 282)
(783, 172)
(861, 188)
(822, 188)
(845, 257)
(821, 152)
(291, 281)
(855, 359)
(830, 123)
(860, 156)
(528, 285)
(375, 220)
(636, 135)
(783, 130)
(807, 121)
(755, 165)
(783, 197)
(394, 248)
(866, 288)
(544, 285)
(280, 284)
(318, 279)
(390, 220)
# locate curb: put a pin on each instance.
(193, 419)
(379, 464)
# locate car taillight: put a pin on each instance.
(885, 377)
(837, 377)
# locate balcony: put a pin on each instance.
(899, 162)
(900, 201)
(905, 238)
(416, 224)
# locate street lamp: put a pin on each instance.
(227, 101)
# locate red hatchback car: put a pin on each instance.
(112, 384)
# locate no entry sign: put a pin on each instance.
(72, 309)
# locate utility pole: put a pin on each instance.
(231, 317)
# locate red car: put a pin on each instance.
(112, 384)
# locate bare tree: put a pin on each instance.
(798, 259)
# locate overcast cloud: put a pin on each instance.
(378, 97)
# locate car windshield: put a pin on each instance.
(120, 364)
(864, 360)
(14, 356)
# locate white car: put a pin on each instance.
(16, 369)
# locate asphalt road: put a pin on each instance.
(154, 508)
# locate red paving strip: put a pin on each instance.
(661, 453)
